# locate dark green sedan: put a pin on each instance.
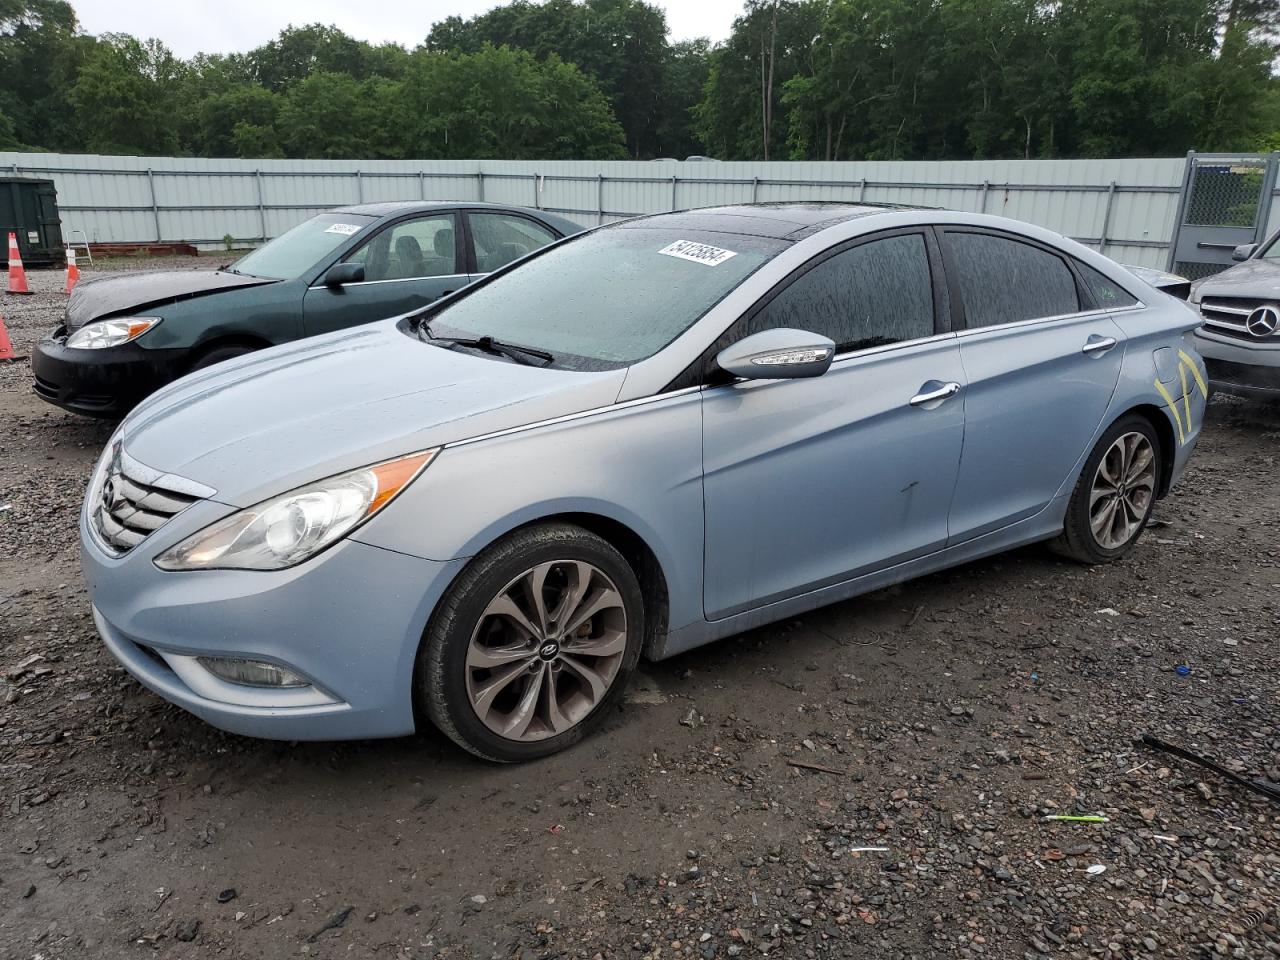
(125, 336)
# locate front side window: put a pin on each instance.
(608, 298)
(1273, 249)
(1107, 292)
(294, 252)
(1004, 280)
(410, 250)
(500, 238)
(870, 295)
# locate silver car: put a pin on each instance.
(1240, 339)
(631, 443)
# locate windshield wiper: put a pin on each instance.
(512, 351)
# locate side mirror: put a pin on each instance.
(1243, 252)
(341, 273)
(778, 355)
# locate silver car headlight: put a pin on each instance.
(295, 526)
(110, 333)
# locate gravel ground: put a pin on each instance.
(720, 812)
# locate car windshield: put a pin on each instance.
(290, 254)
(1273, 250)
(609, 298)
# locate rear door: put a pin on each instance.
(813, 481)
(408, 264)
(1041, 363)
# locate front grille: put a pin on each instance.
(45, 389)
(1227, 315)
(132, 501)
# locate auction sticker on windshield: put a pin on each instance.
(702, 253)
(346, 229)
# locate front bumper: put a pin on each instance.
(1240, 367)
(101, 383)
(349, 621)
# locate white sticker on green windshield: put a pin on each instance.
(702, 253)
(346, 229)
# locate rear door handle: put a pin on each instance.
(1096, 345)
(944, 392)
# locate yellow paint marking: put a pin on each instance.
(1173, 408)
(1186, 395)
(1195, 372)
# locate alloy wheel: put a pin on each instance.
(1123, 488)
(546, 650)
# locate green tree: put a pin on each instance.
(239, 119)
(40, 56)
(504, 104)
(334, 115)
(621, 43)
(125, 96)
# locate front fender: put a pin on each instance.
(639, 465)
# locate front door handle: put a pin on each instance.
(944, 392)
(1096, 346)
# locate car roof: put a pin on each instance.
(396, 208)
(779, 221)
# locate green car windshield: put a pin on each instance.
(294, 252)
(609, 298)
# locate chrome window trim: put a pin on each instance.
(1079, 315)
(889, 347)
(370, 283)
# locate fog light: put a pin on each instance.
(250, 673)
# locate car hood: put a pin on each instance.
(138, 290)
(271, 421)
(1255, 279)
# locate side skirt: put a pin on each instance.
(1043, 526)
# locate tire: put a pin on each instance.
(469, 650)
(219, 354)
(1093, 532)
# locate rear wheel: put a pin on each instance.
(532, 644)
(1115, 494)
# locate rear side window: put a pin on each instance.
(870, 295)
(1107, 292)
(500, 238)
(1004, 280)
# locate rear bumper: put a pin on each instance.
(101, 383)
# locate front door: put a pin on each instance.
(408, 265)
(1041, 367)
(811, 482)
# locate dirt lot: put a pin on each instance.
(944, 720)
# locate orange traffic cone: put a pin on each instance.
(73, 272)
(17, 276)
(6, 348)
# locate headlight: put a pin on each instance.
(297, 525)
(110, 333)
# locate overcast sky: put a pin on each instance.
(225, 26)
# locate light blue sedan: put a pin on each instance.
(630, 443)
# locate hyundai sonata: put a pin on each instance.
(636, 441)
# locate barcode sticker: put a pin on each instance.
(346, 229)
(697, 252)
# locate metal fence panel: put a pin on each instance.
(1126, 207)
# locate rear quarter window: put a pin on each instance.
(1106, 291)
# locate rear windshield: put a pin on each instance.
(293, 253)
(608, 298)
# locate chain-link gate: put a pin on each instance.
(1226, 200)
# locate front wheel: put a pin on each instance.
(1115, 494)
(532, 644)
